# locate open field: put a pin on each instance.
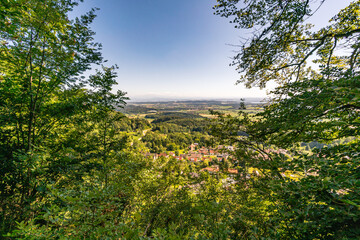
(142, 109)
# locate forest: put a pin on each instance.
(76, 164)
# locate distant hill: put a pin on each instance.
(178, 122)
(181, 106)
(168, 116)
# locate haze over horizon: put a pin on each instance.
(184, 99)
(174, 50)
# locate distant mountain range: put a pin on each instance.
(197, 100)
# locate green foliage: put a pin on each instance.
(169, 128)
(49, 124)
(166, 116)
(158, 143)
(175, 131)
(70, 162)
(311, 194)
(72, 165)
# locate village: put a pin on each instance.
(198, 154)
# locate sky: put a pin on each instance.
(174, 49)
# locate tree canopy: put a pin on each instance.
(317, 99)
(73, 166)
(44, 104)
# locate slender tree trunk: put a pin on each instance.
(105, 154)
(31, 117)
(31, 113)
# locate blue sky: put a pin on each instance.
(168, 49)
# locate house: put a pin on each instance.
(212, 169)
(195, 157)
(163, 155)
(215, 169)
(233, 171)
(208, 159)
(204, 151)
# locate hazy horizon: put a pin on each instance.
(169, 99)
